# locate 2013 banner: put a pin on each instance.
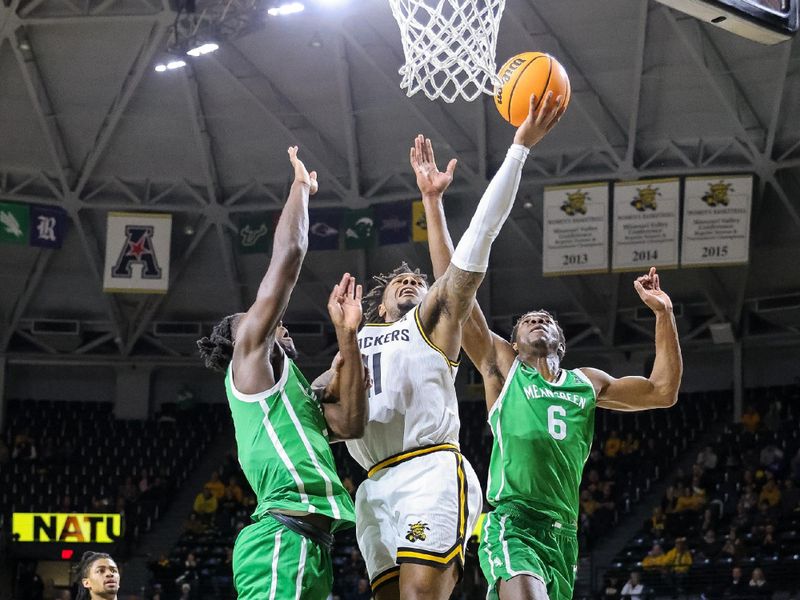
(575, 237)
(137, 253)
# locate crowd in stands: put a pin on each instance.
(730, 526)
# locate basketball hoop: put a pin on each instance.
(450, 46)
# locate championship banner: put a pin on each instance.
(645, 224)
(78, 528)
(716, 220)
(137, 253)
(575, 238)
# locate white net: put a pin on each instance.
(450, 46)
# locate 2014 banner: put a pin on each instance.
(137, 253)
(716, 220)
(575, 237)
(645, 224)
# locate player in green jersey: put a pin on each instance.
(542, 418)
(283, 427)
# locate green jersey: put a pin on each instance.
(282, 438)
(542, 436)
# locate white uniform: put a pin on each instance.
(422, 498)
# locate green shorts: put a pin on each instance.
(272, 562)
(520, 543)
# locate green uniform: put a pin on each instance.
(282, 438)
(542, 436)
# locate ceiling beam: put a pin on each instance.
(43, 107)
(141, 64)
(202, 138)
(39, 266)
(290, 136)
(636, 87)
(345, 88)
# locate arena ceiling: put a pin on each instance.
(88, 125)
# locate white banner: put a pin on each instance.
(575, 238)
(716, 220)
(645, 224)
(137, 253)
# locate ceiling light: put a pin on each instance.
(161, 68)
(175, 64)
(286, 9)
(203, 49)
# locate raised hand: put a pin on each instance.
(649, 290)
(430, 180)
(344, 304)
(539, 122)
(301, 175)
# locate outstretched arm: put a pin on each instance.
(344, 392)
(255, 332)
(490, 353)
(660, 390)
(449, 301)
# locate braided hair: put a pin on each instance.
(87, 560)
(374, 298)
(217, 349)
(562, 341)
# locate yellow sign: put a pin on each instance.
(419, 226)
(66, 527)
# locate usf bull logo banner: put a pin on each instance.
(137, 253)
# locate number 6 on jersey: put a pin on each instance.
(556, 427)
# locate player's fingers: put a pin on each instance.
(544, 108)
(418, 148)
(429, 151)
(652, 271)
(342, 285)
(359, 292)
(552, 116)
(351, 287)
(656, 283)
(412, 158)
(451, 166)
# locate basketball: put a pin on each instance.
(525, 74)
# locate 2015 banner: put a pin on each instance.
(575, 237)
(645, 224)
(716, 220)
(137, 253)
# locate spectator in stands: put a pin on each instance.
(678, 561)
(128, 491)
(144, 482)
(5, 455)
(670, 499)
(613, 445)
(690, 500)
(611, 588)
(655, 525)
(769, 546)
(588, 504)
(707, 458)
(186, 592)
(770, 493)
(733, 548)
(773, 420)
(709, 546)
(709, 519)
(737, 587)
(216, 486)
(633, 588)
(771, 458)
(194, 525)
(789, 497)
(235, 489)
(606, 512)
(205, 505)
(24, 449)
(751, 419)
(189, 576)
(654, 558)
(99, 577)
(630, 445)
(765, 515)
(758, 585)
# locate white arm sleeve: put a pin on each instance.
(472, 252)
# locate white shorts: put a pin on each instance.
(421, 509)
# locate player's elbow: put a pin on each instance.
(664, 398)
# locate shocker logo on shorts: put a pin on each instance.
(416, 531)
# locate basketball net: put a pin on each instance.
(450, 46)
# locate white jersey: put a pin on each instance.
(412, 401)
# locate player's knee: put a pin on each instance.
(428, 584)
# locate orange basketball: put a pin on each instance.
(525, 74)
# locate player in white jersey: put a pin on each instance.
(422, 499)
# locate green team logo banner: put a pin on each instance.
(254, 233)
(359, 229)
(14, 223)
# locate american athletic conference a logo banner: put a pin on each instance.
(137, 253)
